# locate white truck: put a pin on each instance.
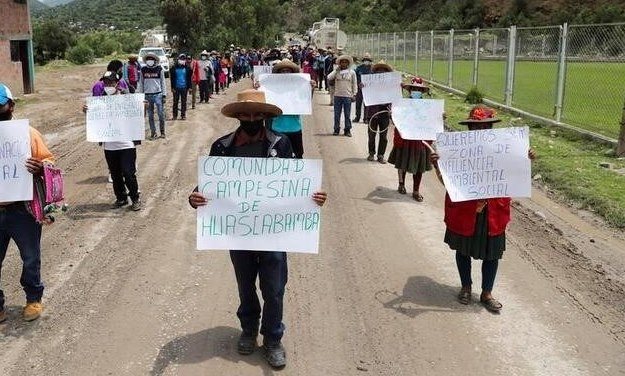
(158, 51)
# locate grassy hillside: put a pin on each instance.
(98, 14)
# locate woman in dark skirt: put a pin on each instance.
(411, 155)
(477, 228)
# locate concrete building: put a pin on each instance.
(17, 68)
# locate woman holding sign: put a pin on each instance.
(121, 156)
(411, 155)
(18, 224)
(477, 228)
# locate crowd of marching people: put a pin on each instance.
(474, 229)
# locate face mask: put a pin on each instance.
(416, 95)
(110, 90)
(181, 62)
(150, 63)
(252, 127)
(6, 115)
(203, 57)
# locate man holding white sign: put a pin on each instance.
(117, 121)
(252, 140)
(478, 171)
(22, 154)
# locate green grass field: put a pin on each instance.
(594, 92)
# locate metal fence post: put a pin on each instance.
(509, 92)
(416, 53)
(476, 58)
(404, 63)
(450, 68)
(561, 71)
(431, 55)
(395, 49)
(378, 45)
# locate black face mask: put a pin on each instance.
(6, 115)
(252, 127)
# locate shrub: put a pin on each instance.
(474, 96)
(80, 54)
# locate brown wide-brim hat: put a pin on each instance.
(420, 87)
(381, 66)
(344, 58)
(480, 114)
(284, 64)
(249, 102)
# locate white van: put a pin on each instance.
(158, 51)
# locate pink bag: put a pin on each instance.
(47, 194)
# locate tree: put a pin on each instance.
(51, 40)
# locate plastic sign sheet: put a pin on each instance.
(418, 119)
(16, 183)
(260, 70)
(289, 91)
(486, 163)
(115, 118)
(381, 88)
(262, 204)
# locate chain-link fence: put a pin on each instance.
(572, 75)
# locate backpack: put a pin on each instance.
(47, 194)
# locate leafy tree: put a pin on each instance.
(51, 40)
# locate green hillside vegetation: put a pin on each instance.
(36, 6)
(100, 14)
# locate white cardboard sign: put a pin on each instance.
(418, 119)
(485, 164)
(16, 183)
(289, 91)
(115, 118)
(262, 204)
(381, 88)
(261, 69)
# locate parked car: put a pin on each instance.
(158, 51)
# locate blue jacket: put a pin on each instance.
(173, 73)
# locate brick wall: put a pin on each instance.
(13, 25)
(10, 72)
(13, 19)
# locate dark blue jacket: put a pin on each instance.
(173, 72)
(274, 145)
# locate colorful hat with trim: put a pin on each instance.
(250, 102)
(481, 114)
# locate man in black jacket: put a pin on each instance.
(180, 76)
(252, 139)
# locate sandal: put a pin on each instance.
(491, 305)
(417, 196)
(401, 189)
(464, 297)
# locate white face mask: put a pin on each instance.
(150, 63)
(182, 62)
(109, 90)
(203, 57)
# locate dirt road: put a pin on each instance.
(127, 294)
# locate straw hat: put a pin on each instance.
(284, 64)
(416, 83)
(481, 114)
(204, 53)
(248, 102)
(367, 56)
(380, 67)
(151, 55)
(344, 57)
